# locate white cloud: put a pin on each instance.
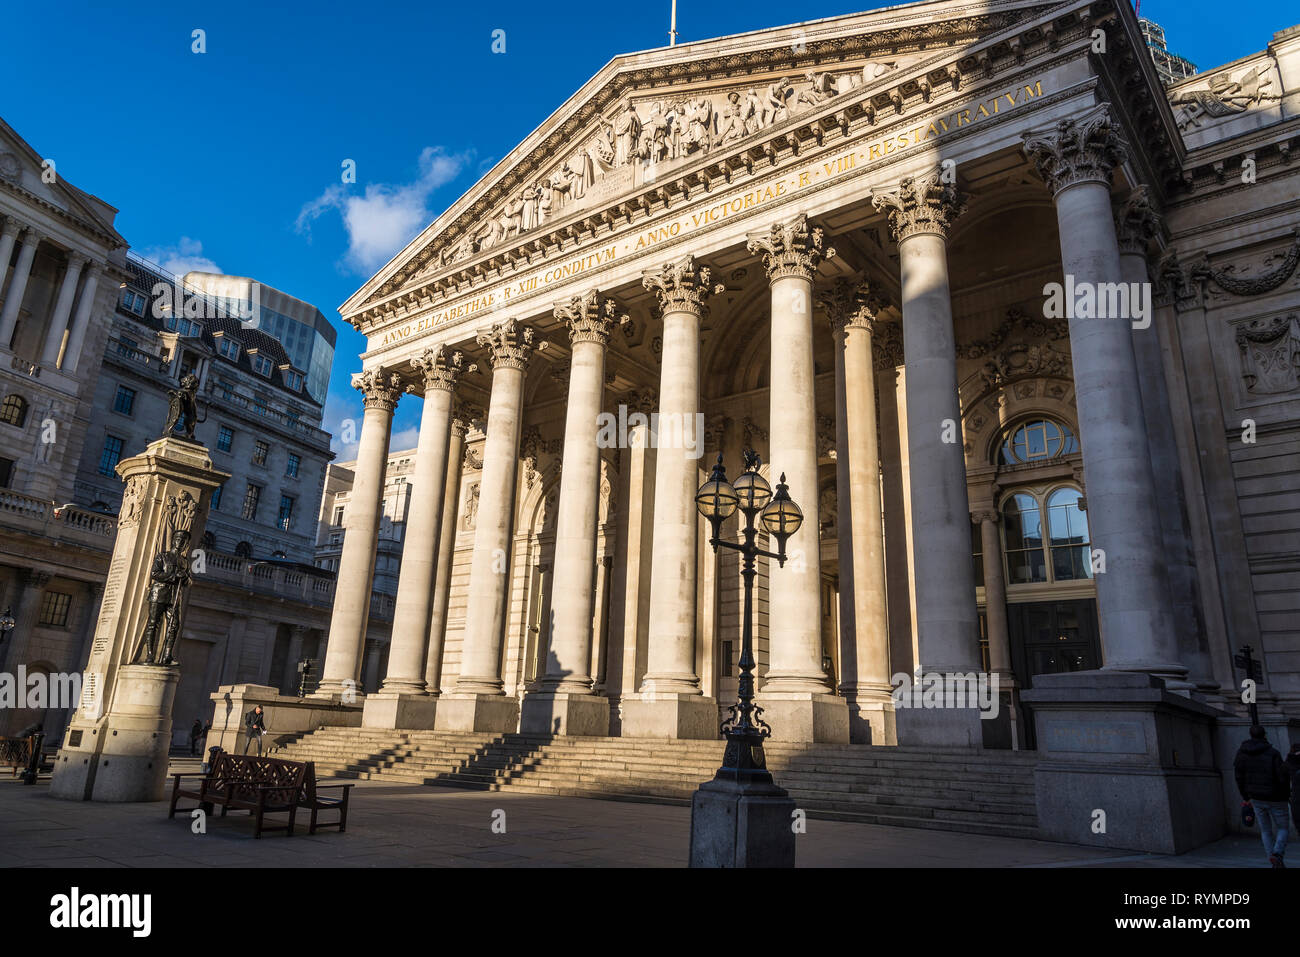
(386, 216)
(403, 440)
(342, 420)
(185, 256)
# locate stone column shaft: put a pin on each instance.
(8, 234)
(18, 286)
(995, 596)
(62, 310)
(1077, 158)
(447, 518)
(356, 573)
(69, 358)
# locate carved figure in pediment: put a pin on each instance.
(654, 134)
(752, 111)
(460, 251)
(528, 215)
(627, 135)
(731, 124)
(699, 126)
(600, 154)
(1224, 96)
(773, 107)
(822, 88)
(675, 117)
(548, 200)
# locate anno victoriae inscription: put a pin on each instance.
(701, 216)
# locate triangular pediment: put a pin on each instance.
(25, 172)
(702, 109)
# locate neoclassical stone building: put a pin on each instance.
(836, 244)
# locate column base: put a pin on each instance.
(872, 719)
(670, 716)
(122, 756)
(552, 712)
(741, 824)
(805, 716)
(478, 712)
(339, 692)
(399, 710)
(1122, 744)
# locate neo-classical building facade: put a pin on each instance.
(837, 244)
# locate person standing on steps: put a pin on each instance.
(1264, 781)
(255, 724)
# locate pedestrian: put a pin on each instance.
(1264, 781)
(196, 732)
(255, 725)
(1292, 763)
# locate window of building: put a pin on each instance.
(54, 609)
(216, 498)
(262, 365)
(13, 411)
(111, 455)
(293, 381)
(126, 347)
(291, 467)
(183, 327)
(226, 388)
(244, 550)
(225, 438)
(286, 512)
(252, 496)
(977, 548)
(260, 406)
(134, 302)
(228, 347)
(6, 471)
(1046, 538)
(260, 450)
(1037, 441)
(124, 400)
(338, 515)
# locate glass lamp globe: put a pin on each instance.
(753, 490)
(782, 517)
(716, 500)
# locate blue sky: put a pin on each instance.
(231, 160)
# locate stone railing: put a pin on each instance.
(282, 581)
(62, 522)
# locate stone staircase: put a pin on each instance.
(988, 792)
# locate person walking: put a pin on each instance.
(196, 732)
(1265, 783)
(255, 724)
(1292, 763)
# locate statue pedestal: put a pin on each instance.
(115, 746)
(123, 755)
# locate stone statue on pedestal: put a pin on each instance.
(182, 409)
(169, 578)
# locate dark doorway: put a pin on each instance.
(1049, 637)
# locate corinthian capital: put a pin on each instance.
(1083, 149)
(442, 368)
(1181, 283)
(590, 317)
(920, 204)
(11, 228)
(682, 286)
(791, 249)
(851, 304)
(509, 344)
(380, 389)
(1136, 222)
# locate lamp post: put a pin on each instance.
(741, 818)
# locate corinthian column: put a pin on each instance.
(403, 701)
(446, 551)
(479, 701)
(380, 389)
(864, 626)
(797, 694)
(564, 702)
(670, 703)
(921, 211)
(1076, 158)
(69, 358)
(18, 285)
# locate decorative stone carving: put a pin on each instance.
(1023, 326)
(1224, 96)
(1082, 149)
(531, 449)
(1181, 283)
(682, 286)
(1264, 282)
(129, 514)
(851, 303)
(792, 248)
(715, 429)
(509, 344)
(470, 509)
(920, 204)
(473, 460)
(887, 347)
(1137, 224)
(441, 368)
(825, 436)
(753, 430)
(642, 400)
(560, 373)
(380, 389)
(590, 317)
(828, 512)
(1270, 354)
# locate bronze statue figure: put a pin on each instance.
(182, 409)
(169, 577)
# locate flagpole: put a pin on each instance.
(672, 29)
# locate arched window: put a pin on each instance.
(13, 411)
(1037, 441)
(1046, 538)
(244, 550)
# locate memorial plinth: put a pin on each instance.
(115, 746)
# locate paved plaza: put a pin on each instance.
(414, 826)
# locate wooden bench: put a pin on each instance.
(17, 752)
(261, 786)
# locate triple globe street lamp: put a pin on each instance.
(717, 500)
